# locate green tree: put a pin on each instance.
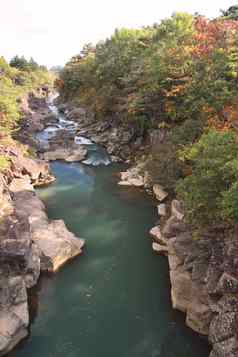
(210, 192)
(19, 63)
(231, 13)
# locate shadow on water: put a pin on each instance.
(114, 300)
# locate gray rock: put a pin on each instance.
(223, 327)
(162, 209)
(227, 348)
(77, 114)
(159, 192)
(172, 227)
(71, 154)
(227, 284)
(159, 248)
(177, 210)
(57, 244)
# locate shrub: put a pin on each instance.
(187, 133)
(210, 192)
(4, 163)
(163, 166)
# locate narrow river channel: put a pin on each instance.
(114, 300)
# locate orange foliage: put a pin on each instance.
(59, 83)
(227, 119)
(212, 34)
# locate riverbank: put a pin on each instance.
(40, 226)
(203, 269)
(30, 243)
(117, 293)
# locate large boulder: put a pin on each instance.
(57, 245)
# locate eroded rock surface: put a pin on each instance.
(29, 241)
(204, 279)
(120, 140)
(72, 154)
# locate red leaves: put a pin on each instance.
(212, 34)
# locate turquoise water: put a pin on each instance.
(114, 300)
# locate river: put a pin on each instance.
(114, 300)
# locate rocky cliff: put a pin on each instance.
(204, 279)
(29, 242)
(203, 269)
(121, 141)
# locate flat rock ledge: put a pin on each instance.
(71, 154)
(56, 244)
(30, 243)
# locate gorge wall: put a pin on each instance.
(203, 268)
(30, 243)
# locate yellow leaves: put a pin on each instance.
(4, 163)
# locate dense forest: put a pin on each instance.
(180, 76)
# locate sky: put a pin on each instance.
(52, 31)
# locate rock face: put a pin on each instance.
(14, 317)
(35, 113)
(22, 166)
(29, 241)
(19, 270)
(119, 140)
(204, 280)
(56, 244)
